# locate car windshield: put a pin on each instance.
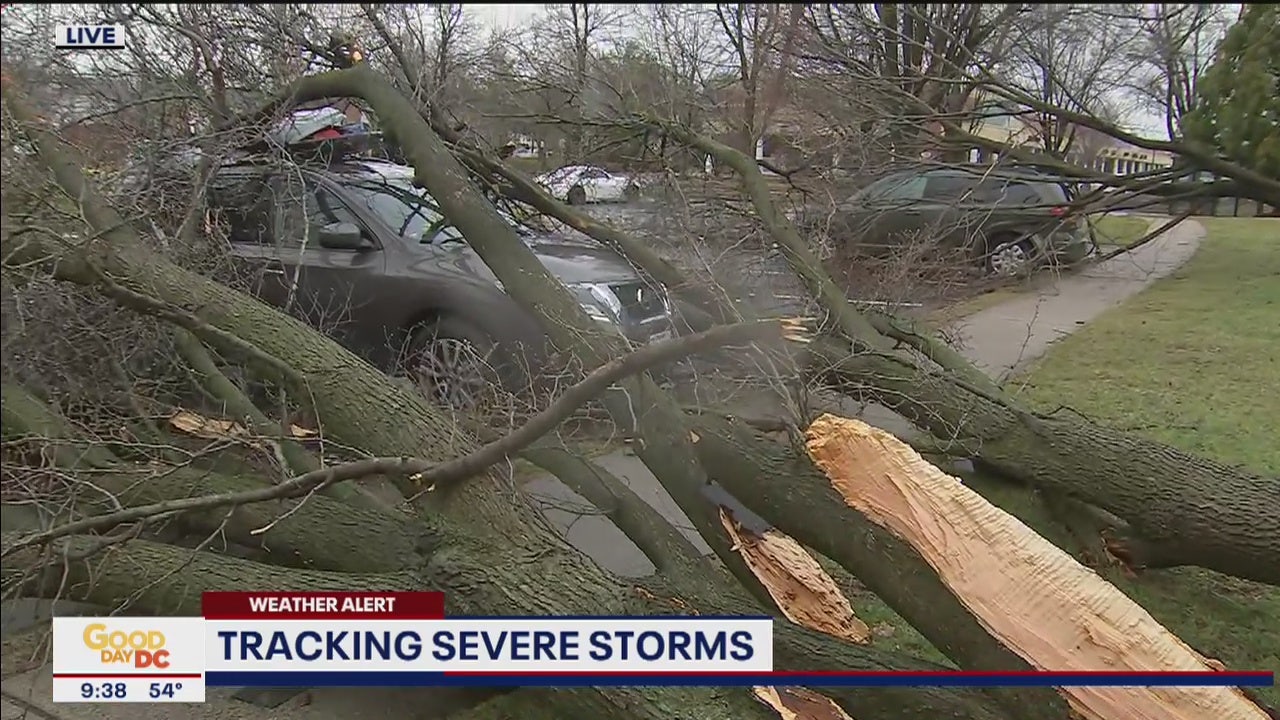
(564, 173)
(411, 212)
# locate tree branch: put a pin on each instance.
(442, 476)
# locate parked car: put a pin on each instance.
(581, 184)
(352, 246)
(1008, 220)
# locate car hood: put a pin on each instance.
(570, 259)
(574, 260)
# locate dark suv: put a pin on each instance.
(354, 248)
(1006, 219)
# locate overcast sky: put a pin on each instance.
(505, 15)
(511, 15)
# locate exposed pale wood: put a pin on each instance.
(1030, 595)
(797, 703)
(214, 429)
(804, 592)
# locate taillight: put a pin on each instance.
(1058, 211)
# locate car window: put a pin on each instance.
(1032, 193)
(410, 211)
(594, 174)
(1023, 194)
(948, 187)
(907, 188)
(303, 207)
(893, 187)
(563, 173)
(243, 203)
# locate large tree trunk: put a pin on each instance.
(1182, 509)
(491, 555)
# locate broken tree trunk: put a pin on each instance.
(781, 484)
(1054, 612)
(1185, 509)
(489, 545)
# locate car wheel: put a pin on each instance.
(631, 193)
(453, 364)
(1009, 256)
(577, 195)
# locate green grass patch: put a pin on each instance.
(1118, 230)
(1194, 361)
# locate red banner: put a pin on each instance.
(272, 605)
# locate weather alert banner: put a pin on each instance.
(385, 639)
(390, 639)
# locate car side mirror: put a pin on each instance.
(342, 236)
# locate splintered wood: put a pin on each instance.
(805, 593)
(1029, 594)
(797, 703)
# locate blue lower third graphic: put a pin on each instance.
(225, 678)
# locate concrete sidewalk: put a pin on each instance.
(999, 339)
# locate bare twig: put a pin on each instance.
(454, 471)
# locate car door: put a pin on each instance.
(891, 214)
(331, 288)
(596, 182)
(951, 211)
(240, 200)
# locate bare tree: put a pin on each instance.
(578, 31)
(761, 39)
(1175, 44)
(1069, 56)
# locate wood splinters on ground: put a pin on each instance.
(797, 329)
(797, 703)
(804, 591)
(214, 429)
(1026, 592)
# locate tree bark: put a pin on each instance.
(478, 578)
(1188, 510)
(497, 557)
(782, 485)
(319, 532)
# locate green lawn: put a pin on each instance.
(1112, 230)
(1193, 361)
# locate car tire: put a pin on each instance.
(631, 193)
(577, 195)
(455, 364)
(1008, 255)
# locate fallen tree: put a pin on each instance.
(1210, 516)
(479, 542)
(473, 545)
(1038, 600)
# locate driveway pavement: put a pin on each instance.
(998, 339)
